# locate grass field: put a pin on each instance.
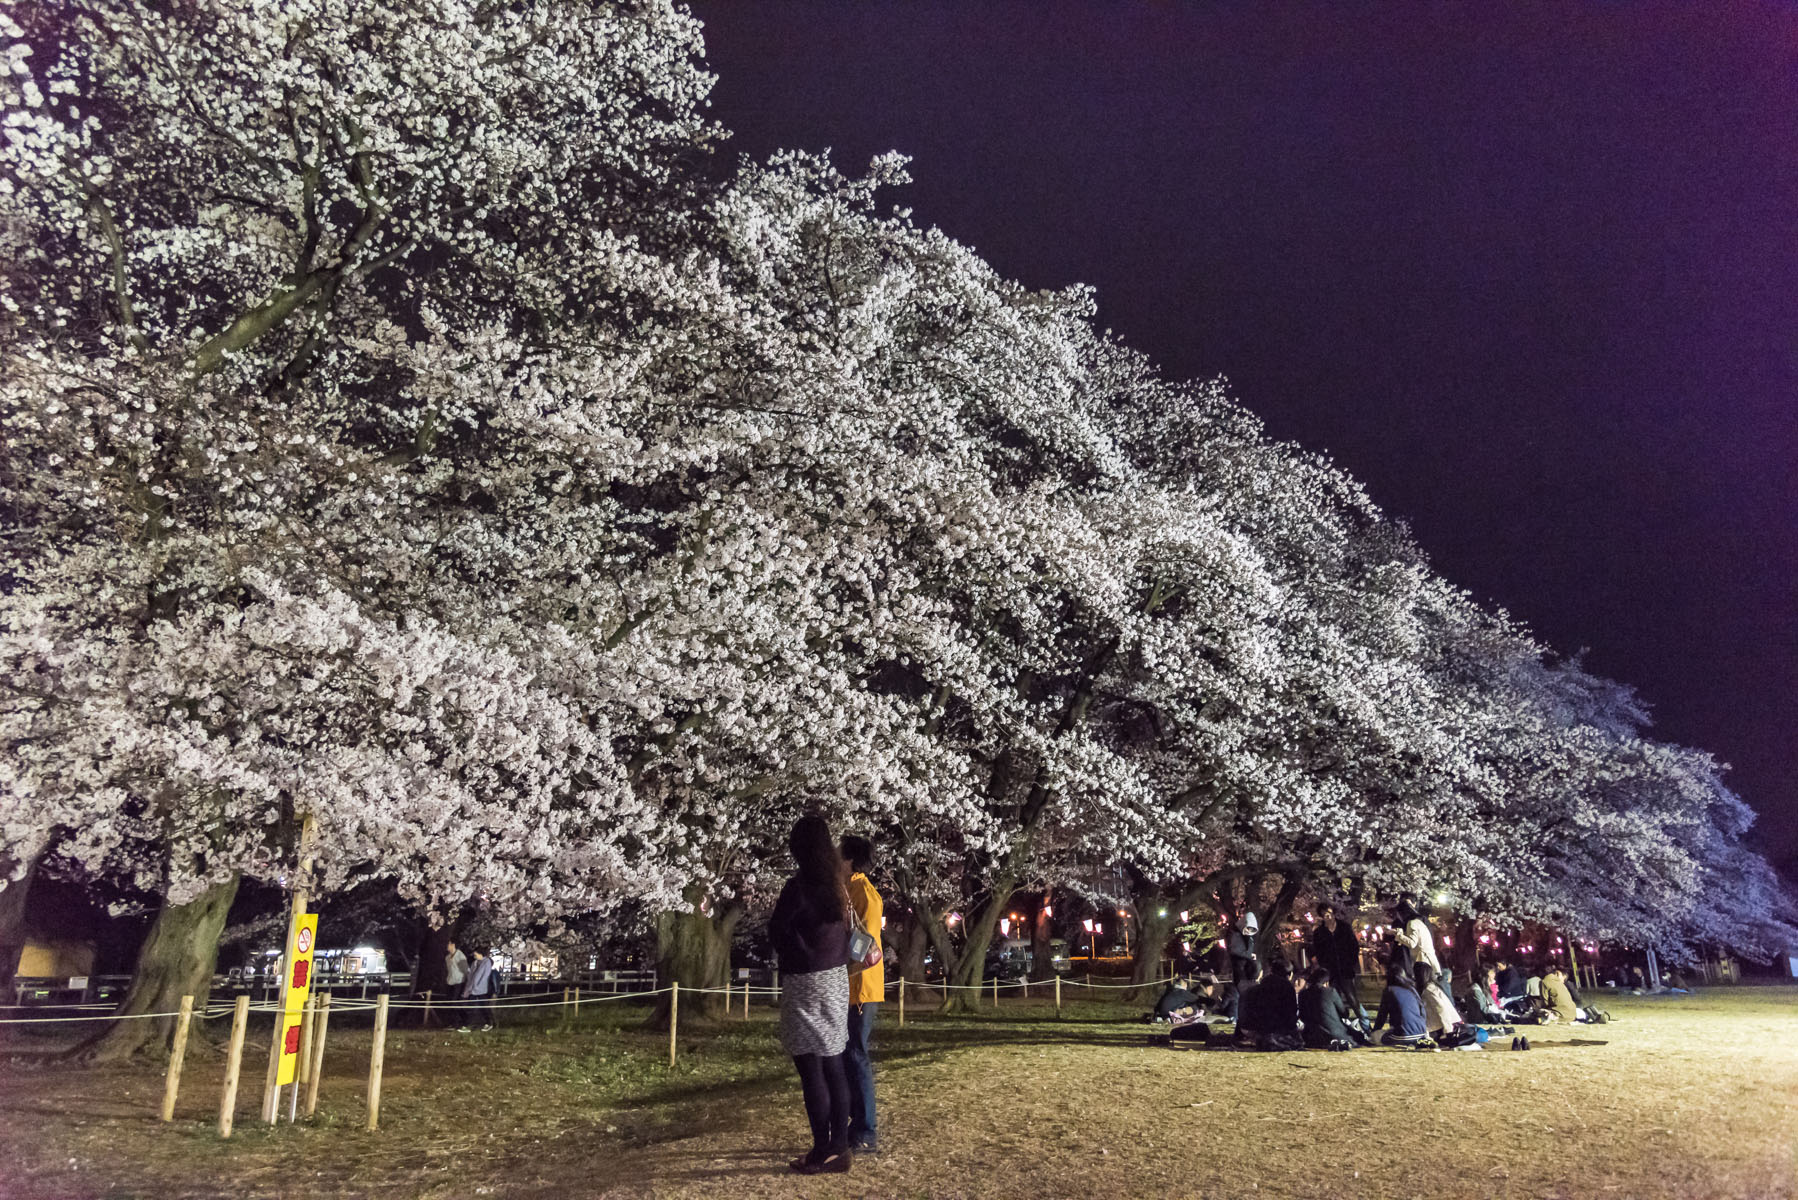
(1682, 1097)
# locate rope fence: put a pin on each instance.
(314, 1023)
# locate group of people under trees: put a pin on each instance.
(1275, 1007)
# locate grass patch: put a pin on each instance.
(1682, 1097)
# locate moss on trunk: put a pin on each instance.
(177, 960)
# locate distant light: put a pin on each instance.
(1442, 897)
(1164, 912)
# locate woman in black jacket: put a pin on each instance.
(810, 930)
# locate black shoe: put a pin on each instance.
(1514, 1044)
(1523, 1043)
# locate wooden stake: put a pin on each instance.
(564, 1006)
(424, 1021)
(995, 991)
(171, 1086)
(673, 1020)
(902, 1002)
(1058, 995)
(318, 1052)
(745, 999)
(240, 1022)
(1026, 987)
(302, 1071)
(376, 1056)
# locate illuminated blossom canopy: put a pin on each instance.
(412, 427)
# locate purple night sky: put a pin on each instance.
(1529, 271)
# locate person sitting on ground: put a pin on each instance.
(1269, 1015)
(1219, 996)
(1510, 982)
(1176, 1000)
(1484, 999)
(1329, 1022)
(1401, 1008)
(1557, 997)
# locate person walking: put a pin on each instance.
(455, 974)
(867, 988)
(477, 992)
(810, 931)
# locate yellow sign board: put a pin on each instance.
(296, 987)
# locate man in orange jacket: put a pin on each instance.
(867, 988)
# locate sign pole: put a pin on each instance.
(287, 1003)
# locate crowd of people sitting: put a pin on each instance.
(1274, 1007)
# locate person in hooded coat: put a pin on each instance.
(1239, 941)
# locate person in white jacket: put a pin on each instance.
(1413, 933)
(1439, 1012)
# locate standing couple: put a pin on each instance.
(827, 1003)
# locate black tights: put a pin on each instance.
(826, 1086)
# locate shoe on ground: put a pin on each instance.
(463, 1029)
(1523, 1043)
(869, 1148)
(837, 1164)
(485, 1028)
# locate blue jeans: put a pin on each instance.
(860, 1069)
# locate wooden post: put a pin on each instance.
(576, 1010)
(1058, 995)
(564, 1006)
(240, 1022)
(1026, 987)
(902, 1002)
(424, 1021)
(995, 991)
(318, 1052)
(171, 1086)
(376, 1056)
(673, 1020)
(746, 999)
(308, 1019)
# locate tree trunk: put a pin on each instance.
(12, 923)
(177, 960)
(1152, 933)
(1267, 942)
(1042, 939)
(431, 973)
(909, 943)
(693, 949)
(979, 928)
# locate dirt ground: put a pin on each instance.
(1679, 1097)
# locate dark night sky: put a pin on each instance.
(1529, 271)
